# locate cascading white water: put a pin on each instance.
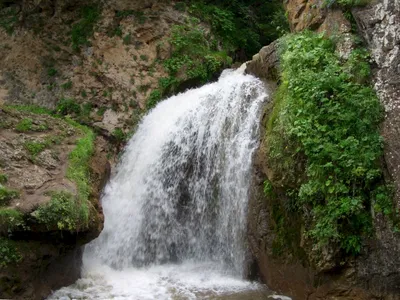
(175, 212)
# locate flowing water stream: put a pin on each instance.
(175, 211)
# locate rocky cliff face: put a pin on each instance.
(374, 274)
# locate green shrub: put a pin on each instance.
(34, 148)
(10, 220)
(329, 118)
(144, 57)
(346, 3)
(180, 6)
(127, 40)
(83, 29)
(194, 52)
(119, 135)
(62, 211)
(101, 110)
(244, 26)
(24, 125)
(8, 19)
(154, 98)
(87, 109)
(79, 167)
(6, 195)
(68, 106)
(8, 253)
(3, 178)
(52, 72)
(31, 108)
(67, 85)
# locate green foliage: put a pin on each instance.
(194, 53)
(144, 57)
(83, 29)
(346, 3)
(34, 148)
(180, 6)
(101, 110)
(87, 109)
(243, 25)
(6, 195)
(8, 19)
(31, 108)
(24, 125)
(119, 135)
(62, 211)
(3, 178)
(8, 253)
(10, 220)
(67, 85)
(127, 40)
(51, 72)
(331, 119)
(68, 106)
(79, 169)
(154, 98)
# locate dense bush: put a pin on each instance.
(244, 25)
(83, 29)
(328, 117)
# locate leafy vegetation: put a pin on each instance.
(24, 125)
(67, 106)
(3, 178)
(52, 72)
(154, 98)
(243, 25)
(6, 195)
(346, 3)
(119, 135)
(83, 29)
(34, 148)
(78, 167)
(8, 253)
(67, 85)
(10, 219)
(8, 18)
(327, 119)
(62, 211)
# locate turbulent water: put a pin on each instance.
(175, 211)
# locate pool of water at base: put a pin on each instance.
(186, 281)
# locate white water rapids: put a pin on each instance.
(175, 211)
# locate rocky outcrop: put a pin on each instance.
(112, 74)
(41, 236)
(374, 274)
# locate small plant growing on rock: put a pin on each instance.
(67, 85)
(154, 98)
(119, 135)
(34, 148)
(8, 253)
(24, 125)
(6, 195)
(3, 178)
(10, 219)
(127, 40)
(67, 107)
(51, 72)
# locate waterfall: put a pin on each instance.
(177, 204)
